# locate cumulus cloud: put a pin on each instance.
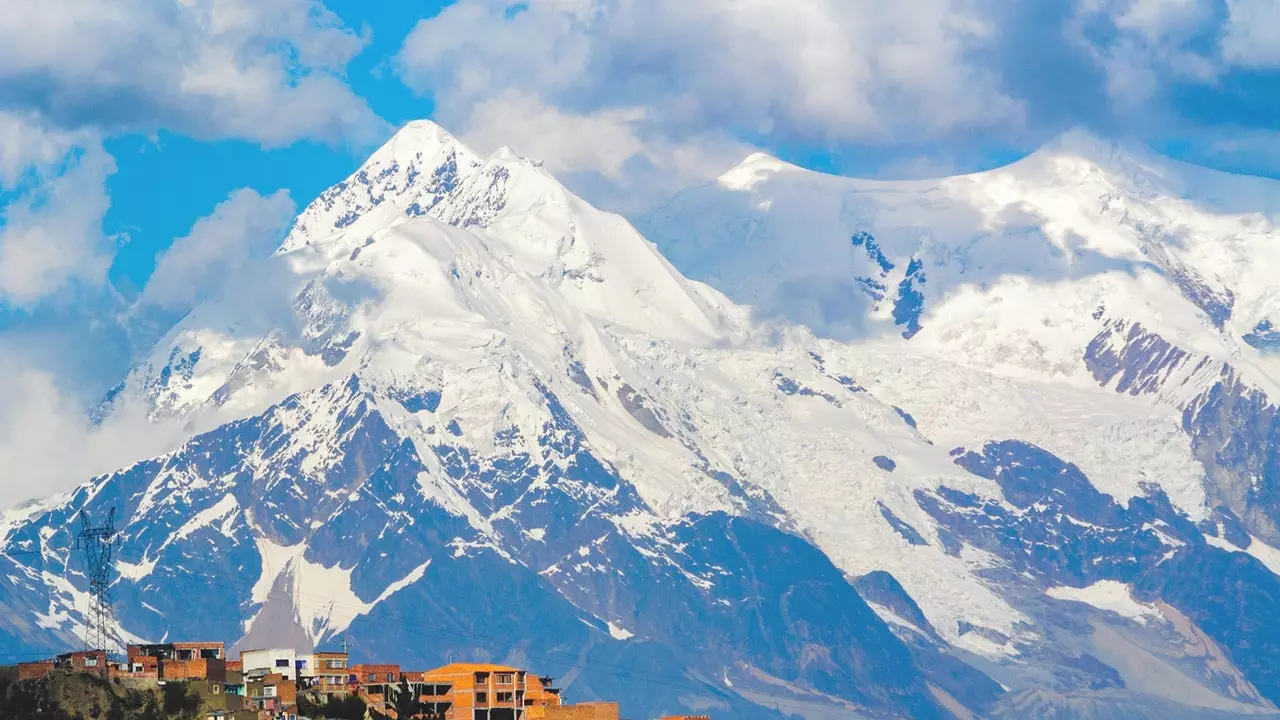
(267, 71)
(243, 227)
(47, 442)
(51, 235)
(600, 82)
(603, 87)
(1252, 36)
(48, 379)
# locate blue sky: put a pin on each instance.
(149, 148)
(152, 212)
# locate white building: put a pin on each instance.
(261, 662)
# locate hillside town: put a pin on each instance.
(285, 684)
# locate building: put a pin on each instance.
(214, 695)
(178, 651)
(138, 667)
(272, 692)
(324, 673)
(281, 661)
(176, 661)
(473, 691)
(34, 670)
(375, 684)
(88, 661)
(580, 711)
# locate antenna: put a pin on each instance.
(97, 542)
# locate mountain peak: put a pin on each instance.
(755, 167)
(414, 171)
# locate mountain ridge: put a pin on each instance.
(454, 373)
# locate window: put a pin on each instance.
(91, 662)
(282, 662)
(269, 691)
(391, 677)
(504, 678)
(217, 689)
(137, 667)
(482, 698)
(504, 698)
(370, 678)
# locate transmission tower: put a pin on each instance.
(97, 542)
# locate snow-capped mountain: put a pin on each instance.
(998, 445)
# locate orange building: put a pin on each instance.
(580, 711)
(474, 691)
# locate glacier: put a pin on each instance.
(789, 445)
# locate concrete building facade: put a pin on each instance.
(281, 661)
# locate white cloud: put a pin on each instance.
(590, 85)
(262, 70)
(26, 144)
(615, 157)
(1152, 44)
(1252, 37)
(51, 235)
(243, 227)
(47, 442)
(828, 69)
(602, 141)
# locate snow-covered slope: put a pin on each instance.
(462, 403)
(1004, 299)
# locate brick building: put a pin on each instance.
(176, 661)
(34, 670)
(88, 661)
(375, 684)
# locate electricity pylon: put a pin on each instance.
(98, 542)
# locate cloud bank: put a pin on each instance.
(622, 90)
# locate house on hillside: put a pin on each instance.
(323, 674)
(88, 661)
(176, 661)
